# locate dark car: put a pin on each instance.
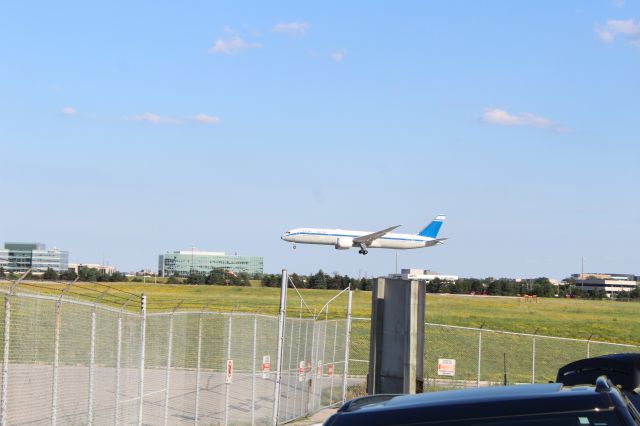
(596, 391)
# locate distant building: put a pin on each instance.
(610, 283)
(19, 257)
(107, 269)
(604, 276)
(422, 275)
(182, 263)
(552, 281)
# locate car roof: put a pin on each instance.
(476, 403)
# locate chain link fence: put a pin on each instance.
(69, 361)
(109, 362)
(484, 357)
(315, 356)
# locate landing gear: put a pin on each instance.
(363, 249)
(294, 246)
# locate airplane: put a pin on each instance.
(344, 239)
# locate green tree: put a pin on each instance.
(319, 280)
(196, 278)
(118, 277)
(2, 272)
(68, 275)
(173, 280)
(87, 274)
(50, 275)
(215, 276)
(244, 279)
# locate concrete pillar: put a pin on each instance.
(397, 337)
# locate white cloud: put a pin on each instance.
(502, 117)
(207, 119)
(628, 28)
(69, 111)
(150, 117)
(291, 28)
(231, 45)
(338, 55)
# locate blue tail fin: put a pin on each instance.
(433, 228)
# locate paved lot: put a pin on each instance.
(30, 401)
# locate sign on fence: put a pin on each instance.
(319, 369)
(229, 371)
(266, 366)
(301, 371)
(329, 370)
(446, 367)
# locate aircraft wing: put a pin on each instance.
(435, 242)
(369, 238)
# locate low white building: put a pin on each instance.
(103, 268)
(611, 287)
(610, 283)
(422, 275)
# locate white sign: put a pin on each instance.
(446, 367)
(266, 366)
(301, 371)
(229, 371)
(319, 369)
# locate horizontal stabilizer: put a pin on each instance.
(435, 242)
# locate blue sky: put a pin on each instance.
(132, 128)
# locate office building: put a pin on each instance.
(610, 283)
(183, 262)
(19, 257)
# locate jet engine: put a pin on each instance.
(344, 243)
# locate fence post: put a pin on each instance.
(167, 376)
(315, 347)
(333, 362)
(253, 370)
(227, 386)
(479, 355)
(56, 356)
(6, 348)
(92, 356)
(589, 346)
(116, 411)
(284, 283)
(92, 353)
(195, 421)
(56, 349)
(533, 361)
(5, 359)
(347, 342)
(143, 324)
(533, 357)
(306, 349)
(295, 366)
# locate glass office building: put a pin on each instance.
(19, 257)
(182, 263)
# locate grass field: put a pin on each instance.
(617, 322)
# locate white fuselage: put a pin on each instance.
(342, 238)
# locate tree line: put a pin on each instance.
(217, 276)
(84, 274)
(540, 287)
